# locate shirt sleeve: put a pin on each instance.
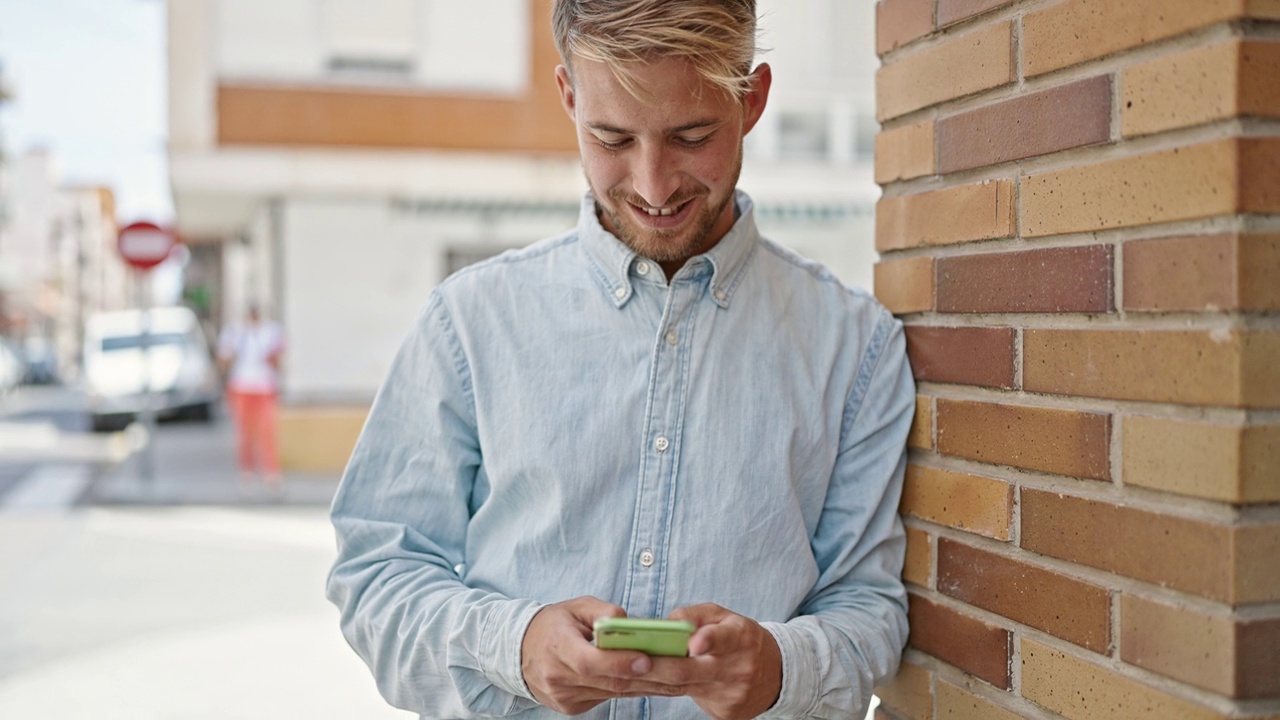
(848, 635)
(435, 646)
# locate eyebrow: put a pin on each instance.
(695, 125)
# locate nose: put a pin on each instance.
(655, 176)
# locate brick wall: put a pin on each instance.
(1081, 229)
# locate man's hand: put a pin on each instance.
(568, 674)
(734, 668)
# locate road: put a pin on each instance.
(176, 597)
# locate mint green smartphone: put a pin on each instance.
(652, 637)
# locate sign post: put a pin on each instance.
(144, 245)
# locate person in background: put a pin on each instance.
(249, 356)
(656, 414)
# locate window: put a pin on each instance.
(370, 39)
(802, 134)
(460, 257)
(865, 128)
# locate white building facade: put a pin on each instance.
(58, 259)
(334, 160)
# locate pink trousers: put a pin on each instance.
(255, 417)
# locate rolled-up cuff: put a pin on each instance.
(501, 642)
(800, 676)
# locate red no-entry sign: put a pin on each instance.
(145, 245)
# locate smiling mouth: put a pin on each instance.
(664, 211)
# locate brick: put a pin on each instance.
(1258, 657)
(1259, 183)
(959, 66)
(953, 11)
(1231, 657)
(1064, 442)
(905, 286)
(921, 435)
(1263, 10)
(905, 152)
(1221, 367)
(980, 649)
(1260, 376)
(1067, 116)
(1078, 689)
(979, 211)
(1167, 550)
(1062, 606)
(909, 693)
(1259, 67)
(955, 703)
(958, 500)
(919, 563)
(1203, 273)
(1254, 552)
(1067, 279)
(898, 22)
(1222, 177)
(1259, 262)
(1215, 461)
(1074, 31)
(1178, 642)
(963, 355)
(1234, 78)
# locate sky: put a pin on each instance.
(88, 84)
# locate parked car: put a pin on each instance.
(42, 362)
(175, 366)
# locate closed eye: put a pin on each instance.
(614, 144)
(693, 142)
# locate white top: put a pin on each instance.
(249, 345)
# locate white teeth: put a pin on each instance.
(655, 212)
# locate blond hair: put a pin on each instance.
(717, 36)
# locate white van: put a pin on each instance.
(177, 367)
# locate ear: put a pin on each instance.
(754, 101)
(564, 84)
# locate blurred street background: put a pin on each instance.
(329, 161)
(180, 596)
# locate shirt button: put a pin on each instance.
(720, 295)
(646, 558)
(642, 268)
(620, 293)
(672, 337)
(661, 443)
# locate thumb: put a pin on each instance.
(587, 609)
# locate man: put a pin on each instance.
(656, 414)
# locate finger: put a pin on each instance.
(722, 638)
(593, 662)
(701, 614)
(683, 672)
(588, 609)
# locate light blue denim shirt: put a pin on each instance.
(562, 421)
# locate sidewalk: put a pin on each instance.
(156, 613)
(195, 464)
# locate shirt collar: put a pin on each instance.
(611, 260)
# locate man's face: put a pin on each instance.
(662, 169)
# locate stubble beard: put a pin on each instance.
(667, 246)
